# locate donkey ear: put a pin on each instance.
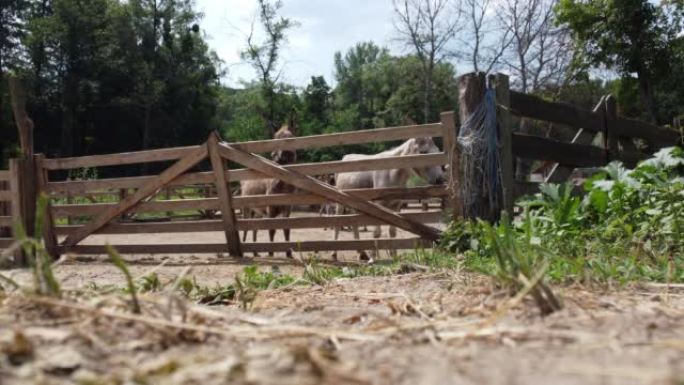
(408, 121)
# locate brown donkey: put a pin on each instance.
(270, 187)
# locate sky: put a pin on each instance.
(326, 26)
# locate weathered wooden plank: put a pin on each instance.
(254, 201)
(657, 136)
(531, 188)
(4, 175)
(324, 168)
(153, 206)
(5, 196)
(536, 108)
(342, 138)
(6, 242)
(165, 177)
(534, 147)
(316, 141)
(213, 248)
(119, 159)
(630, 158)
(20, 259)
(250, 224)
(224, 196)
(39, 179)
(503, 98)
(6, 221)
(612, 135)
(561, 173)
(453, 152)
(314, 186)
(321, 168)
(85, 186)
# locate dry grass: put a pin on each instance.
(421, 327)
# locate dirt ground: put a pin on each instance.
(209, 269)
(417, 328)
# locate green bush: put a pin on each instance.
(628, 226)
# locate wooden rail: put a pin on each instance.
(321, 168)
(577, 155)
(258, 247)
(240, 202)
(316, 141)
(250, 224)
(561, 113)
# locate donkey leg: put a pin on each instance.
(245, 215)
(393, 229)
(363, 255)
(339, 209)
(286, 231)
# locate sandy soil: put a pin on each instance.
(446, 328)
(405, 329)
(208, 268)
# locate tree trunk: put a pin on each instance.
(147, 128)
(646, 90)
(69, 104)
(147, 136)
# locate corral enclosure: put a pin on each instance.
(185, 199)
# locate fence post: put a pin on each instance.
(17, 207)
(225, 196)
(503, 98)
(610, 132)
(453, 153)
(41, 181)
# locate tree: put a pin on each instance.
(13, 16)
(111, 76)
(485, 40)
(316, 105)
(263, 56)
(355, 88)
(427, 26)
(629, 36)
(539, 52)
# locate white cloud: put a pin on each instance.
(326, 26)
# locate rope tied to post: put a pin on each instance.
(480, 159)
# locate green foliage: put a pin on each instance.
(628, 226)
(39, 260)
(121, 265)
(629, 36)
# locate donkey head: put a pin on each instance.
(286, 131)
(432, 174)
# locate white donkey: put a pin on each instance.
(389, 178)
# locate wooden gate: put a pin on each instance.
(144, 195)
(10, 207)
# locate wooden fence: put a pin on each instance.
(617, 133)
(146, 196)
(10, 206)
(169, 203)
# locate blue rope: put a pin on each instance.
(479, 142)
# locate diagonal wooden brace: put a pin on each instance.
(561, 173)
(171, 173)
(225, 196)
(312, 185)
